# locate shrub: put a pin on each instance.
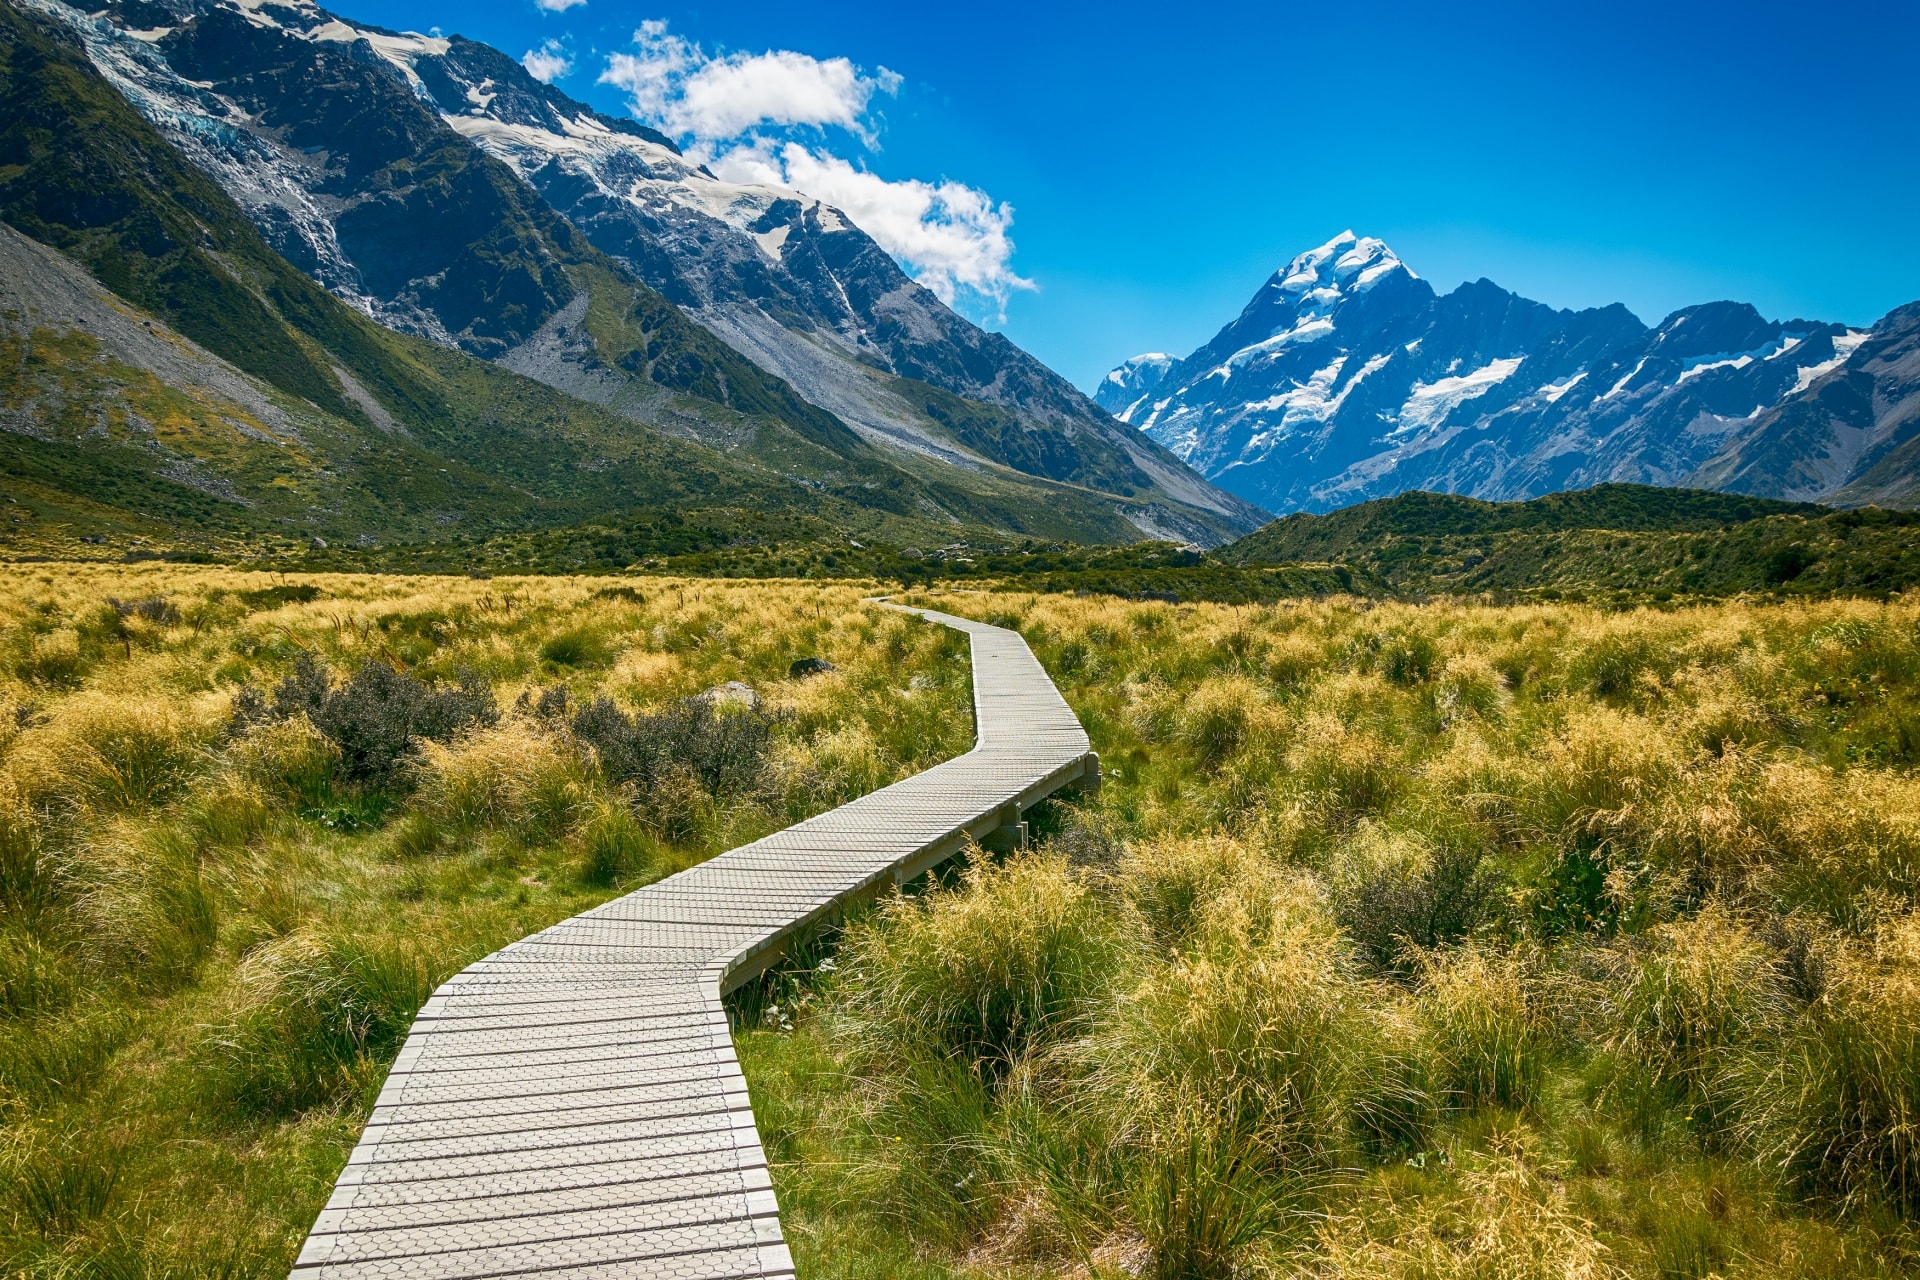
(376, 717)
(320, 1017)
(983, 972)
(723, 747)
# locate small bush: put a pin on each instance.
(376, 717)
(723, 747)
(1394, 897)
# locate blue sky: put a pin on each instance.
(1158, 163)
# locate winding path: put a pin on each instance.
(571, 1104)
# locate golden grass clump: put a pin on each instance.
(1692, 1003)
(1836, 1106)
(982, 973)
(514, 776)
(1508, 1220)
(114, 751)
(1486, 1013)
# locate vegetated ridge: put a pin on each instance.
(211, 391)
(1630, 540)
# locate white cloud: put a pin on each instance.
(952, 237)
(556, 6)
(670, 82)
(550, 61)
(737, 112)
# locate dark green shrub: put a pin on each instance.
(375, 717)
(724, 748)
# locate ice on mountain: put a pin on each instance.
(1430, 403)
(1552, 391)
(773, 241)
(1621, 385)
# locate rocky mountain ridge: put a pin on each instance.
(565, 241)
(1348, 378)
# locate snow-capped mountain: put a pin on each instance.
(1347, 377)
(438, 187)
(791, 283)
(1851, 435)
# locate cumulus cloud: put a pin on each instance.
(740, 114)
(951, 236)
(551, 60)
(670, 82)
(556, 6)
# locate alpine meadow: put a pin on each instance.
(1400, 940)
(608, 671)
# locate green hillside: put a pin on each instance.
(342, 429)
(1625, 507)
(1631, 540)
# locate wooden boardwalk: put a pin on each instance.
(571, 1104)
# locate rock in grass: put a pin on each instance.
(731, 693)
(805, 667)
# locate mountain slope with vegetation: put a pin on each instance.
(353, 150)
(222, 372)
(1635, 540)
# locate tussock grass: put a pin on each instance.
(1423, 941)
(247, 825)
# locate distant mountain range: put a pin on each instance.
(550, 311)
(1348, 378)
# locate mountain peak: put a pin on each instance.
(1345, 264)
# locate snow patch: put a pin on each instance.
(1431, 402)
(1552, 391)
(1621, 385)
(1844, 345)
(772, 241)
